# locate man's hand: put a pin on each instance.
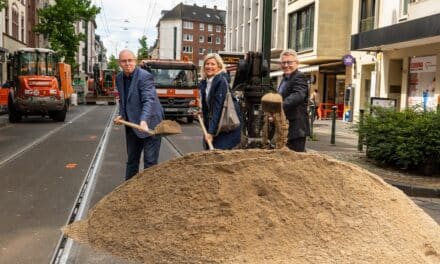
(117, 119)
(144, 126)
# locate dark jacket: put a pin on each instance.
(295, 100)
(142, 101)
(212, 110)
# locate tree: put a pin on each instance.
(143, 51)
(57, 23)
(113, 63)
(3, 4)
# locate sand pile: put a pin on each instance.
(257, 206)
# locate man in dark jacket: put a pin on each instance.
(139, 104)
(295, 92)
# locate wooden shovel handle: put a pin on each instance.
(133, 125)
(205, 133)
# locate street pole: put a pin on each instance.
(333, 137)
(267, 36)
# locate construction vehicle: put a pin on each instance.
(4, 93)
(38, 84)
(176, 85)
(101, 87)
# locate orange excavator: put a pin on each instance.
(101, 87)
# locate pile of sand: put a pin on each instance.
(257, 206)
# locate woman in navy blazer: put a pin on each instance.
(139, 104)
(213, 87)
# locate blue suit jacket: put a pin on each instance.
(142, 101)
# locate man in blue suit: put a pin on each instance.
(139, 104)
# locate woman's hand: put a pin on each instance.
(209, 138)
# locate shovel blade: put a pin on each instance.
(167, 127)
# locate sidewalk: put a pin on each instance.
(345, 149)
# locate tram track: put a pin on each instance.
(64, 246)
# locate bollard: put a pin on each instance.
(361, 137)
(332, 141)
(312, 119)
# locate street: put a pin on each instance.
(43, 168)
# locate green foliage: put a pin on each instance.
(57, 22)
(113, 63)
(3, 4)
(408, 139)
(143, 50)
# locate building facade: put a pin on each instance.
(363, 49)
(190, 32)
(397, 46)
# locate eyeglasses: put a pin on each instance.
(287, 62)
(126, 61)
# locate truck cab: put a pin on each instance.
(176, 85)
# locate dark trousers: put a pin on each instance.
(150, 146)
(297, 144)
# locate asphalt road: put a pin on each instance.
(43, 165)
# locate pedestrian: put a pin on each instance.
(295, 92)
(139, 104)
(315, 99)
(213, 88)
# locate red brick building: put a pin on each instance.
(190, 31)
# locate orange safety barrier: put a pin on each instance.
(325, 110)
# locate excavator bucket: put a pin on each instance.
(272, 103)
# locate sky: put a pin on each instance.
(122, 23)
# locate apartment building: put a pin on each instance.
(86, 56)
(190, 32)
(397, 47)
(244, 26)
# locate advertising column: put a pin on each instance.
(421, 86)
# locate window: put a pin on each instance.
(7, 19)
(218, 40)
(202, 27)
(218, 28)
(15, 21)
(367, 15)
(210, 50)
(209, 40)
(201, 63)
(22, 27)
(187, 49)
(201, 51)
(403, 8)
(187, 37)
(210, 28)
(201, 39)
(301, 25)
(187, 24)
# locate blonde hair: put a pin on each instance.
(219, 61)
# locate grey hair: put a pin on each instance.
(127, 51)
(288, 52)
(219, 61)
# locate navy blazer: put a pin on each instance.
(142, 100)
(295, 100)
(212, 109)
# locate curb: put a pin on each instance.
(410, 190)
(415, 191)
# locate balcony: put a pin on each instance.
(367, 24)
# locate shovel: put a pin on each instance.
(211, 147)
(164, 128)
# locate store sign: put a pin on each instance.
(421, 86)
(348, 60)
(231, 58)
